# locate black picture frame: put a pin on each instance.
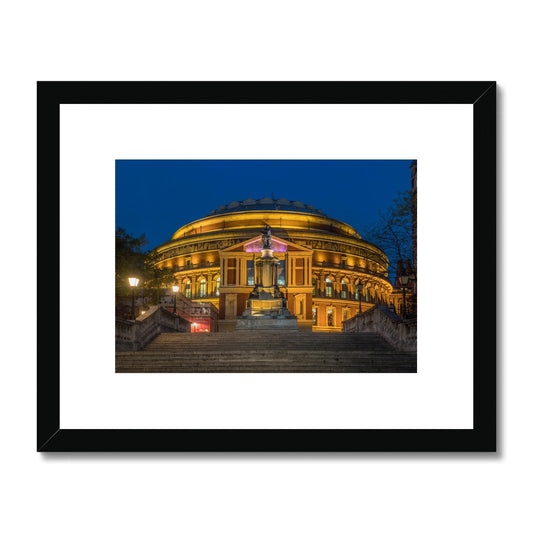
(52, 438)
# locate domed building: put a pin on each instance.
(327, 272)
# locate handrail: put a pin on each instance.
(134, 335)
(402, 334)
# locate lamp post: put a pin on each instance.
(359, 294)
(404, 280)
(175, 289)
(133, 283)
(412, 279)
(194, 325)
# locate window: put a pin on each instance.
(250, 273)
(329, 288)
(345, 315)
(202, 291)
(301, 307)
(217, 289)
(314, 316)
(281, 272)
(187, 289)
(330, 317)
(313, 281)
(299, 271)
(187, 261)
(344, 289)
(232, 271)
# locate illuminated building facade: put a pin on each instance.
(322, 262)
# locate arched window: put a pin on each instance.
(217, 288)
(202, 288)
(188, 289)
(313, 281)
(329, 288)
(344, 289)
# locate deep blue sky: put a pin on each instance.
(156, 197)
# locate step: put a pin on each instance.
(261, 351)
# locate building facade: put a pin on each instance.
(328, 273)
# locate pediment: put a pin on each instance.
(254, 244)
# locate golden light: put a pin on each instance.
(133, 282)
(175, 288)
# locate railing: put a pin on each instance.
(400, 333)
(196, 295)
(349, 296)
(341, 266)
(193, 266)
(135, 334)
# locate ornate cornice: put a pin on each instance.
(308, 239)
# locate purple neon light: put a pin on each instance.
(255, 246)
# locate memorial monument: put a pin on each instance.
(266, 307)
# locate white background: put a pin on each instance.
(439, 137)
(275, 40)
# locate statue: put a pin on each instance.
(267, 237)
(266, 307)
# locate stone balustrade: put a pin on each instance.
(136, 334)
(400, 333)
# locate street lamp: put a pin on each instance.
(133, 283)
(404, 280)
(175, 289)
(194, 325)
(359, 294)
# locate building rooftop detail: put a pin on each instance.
(281, 204)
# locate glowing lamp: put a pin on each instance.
(133, 283)
(175, 289)
(360, 295)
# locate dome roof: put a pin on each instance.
(269, 204)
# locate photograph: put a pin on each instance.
(266, 266)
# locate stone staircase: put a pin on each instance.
(265, 351)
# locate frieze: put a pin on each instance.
(313, 244)
(340, 247)
(196, 247)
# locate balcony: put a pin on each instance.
(341, 266)
(197, 266)
(347, 296)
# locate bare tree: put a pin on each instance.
(393, 231)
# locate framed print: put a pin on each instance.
(255, 266)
